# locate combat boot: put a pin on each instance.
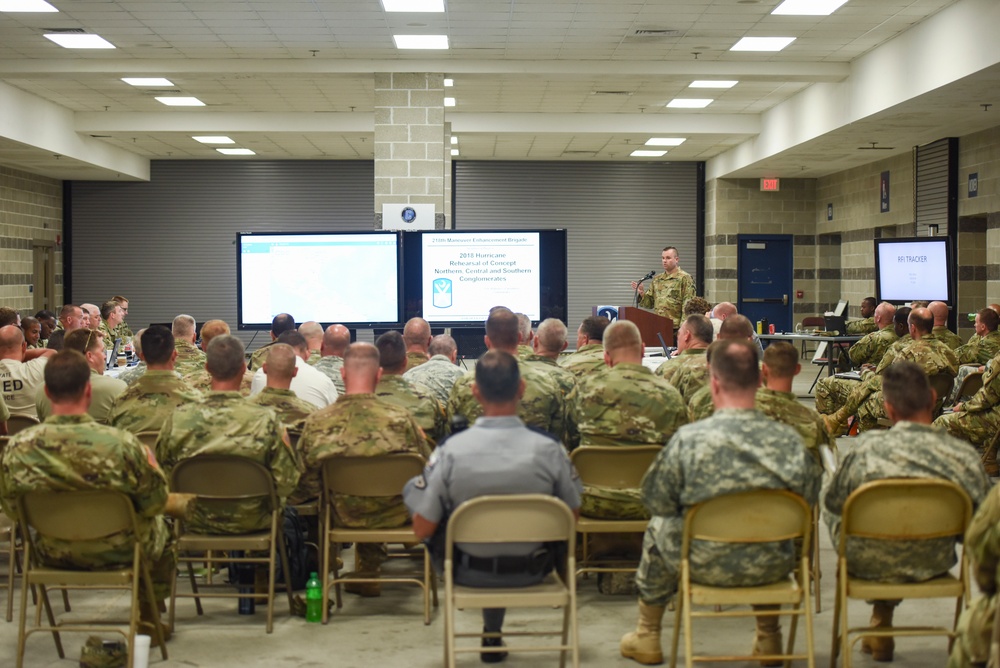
(880, 647)
(768, 636)
(643, 644)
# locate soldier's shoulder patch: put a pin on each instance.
(420, 482)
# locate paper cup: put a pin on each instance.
(140, 652)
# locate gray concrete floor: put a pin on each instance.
(389, 631)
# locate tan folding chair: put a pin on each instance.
(82, 516)
(617, 468)
(943, 384)
(148, 438)
(894, 510)
(222, 479)
(380, 476)
(972, 383)
(8, 535)
(16, 423)
(760, 516)
(532, 518)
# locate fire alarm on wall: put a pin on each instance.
(799, 294)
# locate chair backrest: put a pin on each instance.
(16, 423)
(905, 509)
(758, 516)
(222, 477)
(382, 475)
(513, 518)
(77, 516)
(942, 384)
(813, 321)
(613, 466)
(148, 438)
(972, 384)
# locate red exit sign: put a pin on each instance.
(770, 185)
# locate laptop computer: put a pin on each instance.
(111, 355)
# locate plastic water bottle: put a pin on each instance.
(314, 599)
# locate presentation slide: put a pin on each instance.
(343, 278)
(464, 275)
(913, 270)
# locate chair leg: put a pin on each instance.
(678, 604)
(272, 549)
(816, 379)
(194, 587)
(283, 554)
(325, 578)
(47, 606)
(65, 598)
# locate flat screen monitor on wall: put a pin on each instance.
(344, 277)
(454, 277)
(917, 268)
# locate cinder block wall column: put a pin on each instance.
(412, 163)
(30, 210)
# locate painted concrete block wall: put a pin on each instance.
(979, 154)
(30, 209)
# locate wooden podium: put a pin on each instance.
(649, 323)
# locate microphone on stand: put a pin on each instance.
(639, 282)
(648, 276)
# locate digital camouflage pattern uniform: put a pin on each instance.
(189, 360)
(109, 335)
(785, 407)
(908, 450)
(982, 544)
(668, 294)
(524, 351)
(132, 374)
(359, 425)
(979, 419)
(123, 332)
(697, 465)
(259, 356)
(415, 359)
(291, 410)
(72, 452)
(688, 371)
(562, 377)
(542, 406)
(625, 405)
(701, 405)
(586, 359)
(871, 347)
(314, 356)
(438, 376)
(201, 381)
(224, 423)
(950, 338)
(422, 405)
(145, 405)
(980, 350)
(929, 354)
(331, 366)
(863, 326)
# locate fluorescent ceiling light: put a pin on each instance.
(413, 6)
(762, 43)
(421, 41)
(448, 83)
(79, 41)
(639, 153)
(26, 6)
(808, 7)
(180, 101)
(665, 141)
(449, 102)
(235, 151)
(454, 151)
(210, 139)
(454, 140)
(713, 84)
(689, 103)
(147, 81)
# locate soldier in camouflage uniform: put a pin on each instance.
(978, 419)
(103, 389)
(670, 291)
(975, 627)
(867, 323)
(224, 423)
(417, 335)
(130, 375)
(359, 425)
(145, 405)
(589, 355)
(695, 466)
(911, 449)
(396, 390)
(985, 344)
(279, 367)
(440, 372)
(940, 311)
(336, 338)
(200, 379)
(281, 323)
(526, 338)
(123, 331)
(312, 332)
(687, 370)
(735, 327)
(542, 406)
(190, 360)
(111, 317)
(623, 405)
(776, 400)
(832, 392)
(47, 319)
(70, 451)
(549, 342)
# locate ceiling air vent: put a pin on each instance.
(657, 33)
(619, 93)
(874, 147)
(65, 31)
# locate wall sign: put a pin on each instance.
(974, 184)
(884, 192)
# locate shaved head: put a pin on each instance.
(336, 338)
(940, 312)
(280, 363)
(417, 334)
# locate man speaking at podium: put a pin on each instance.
(669, 291)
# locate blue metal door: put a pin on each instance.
(764, 275)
